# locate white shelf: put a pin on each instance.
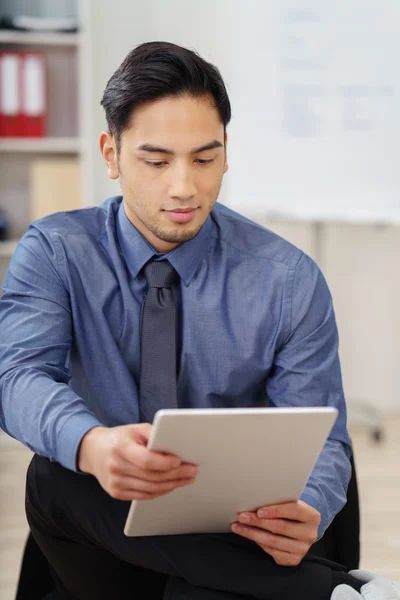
(39, 38)
(7, 248)
(61, 145)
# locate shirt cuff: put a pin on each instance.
(71, 436)
(311, 501)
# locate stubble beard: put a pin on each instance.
(172, 236)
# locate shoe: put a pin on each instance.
(345, 592)
(374, 588)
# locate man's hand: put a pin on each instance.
(285, 531)
(126, 469)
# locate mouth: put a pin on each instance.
(181, 215)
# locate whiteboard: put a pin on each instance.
(314, 87)
(315, 132)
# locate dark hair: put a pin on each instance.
(154, 70)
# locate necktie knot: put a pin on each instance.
(160, 274)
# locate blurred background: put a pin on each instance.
(313, 152)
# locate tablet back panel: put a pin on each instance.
(247, 458)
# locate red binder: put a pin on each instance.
(34, 94)
(11, 121)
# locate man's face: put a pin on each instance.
(171, 163)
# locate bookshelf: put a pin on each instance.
(63, 54)
(57, 145)
(26, 38)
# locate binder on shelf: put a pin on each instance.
(23, 94)
(11, 120)
(54, 185)
(34, 96)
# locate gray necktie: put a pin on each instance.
(158, 341)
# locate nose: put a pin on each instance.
(182, 187)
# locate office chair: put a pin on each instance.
(340, 543)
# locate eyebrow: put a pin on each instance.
(151, 148)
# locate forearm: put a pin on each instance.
(44, 414)
(87, 448)
(326, 488)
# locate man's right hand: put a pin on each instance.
(125, 468)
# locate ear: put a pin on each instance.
(226, 166)
(109, 152)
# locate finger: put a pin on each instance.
(151, 461)
(292, 529)
(296, 511)
(149, 487)
(125, 468)
(141, 432)
(278, 542)
(184, 472)
(283, 558)
(130, 495)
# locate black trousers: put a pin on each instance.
(79, 528)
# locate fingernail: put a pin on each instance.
(245, 518)
(237, 528)
(192, 471)
(262, 514)
(176, 463)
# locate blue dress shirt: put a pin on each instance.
(257, 329)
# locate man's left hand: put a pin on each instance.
(285, 531)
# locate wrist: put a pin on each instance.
(87, 449)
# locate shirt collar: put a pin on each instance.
(137, 251)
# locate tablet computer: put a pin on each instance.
(246, 458)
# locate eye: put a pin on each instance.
(202, 161)
(157, 164)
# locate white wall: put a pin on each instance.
(113, 30)
(360, 262)
(361, 265)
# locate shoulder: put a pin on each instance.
(247, 237)
(90, 221)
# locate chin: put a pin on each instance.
(182, 236)
(178, 236)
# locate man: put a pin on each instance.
(158, 298)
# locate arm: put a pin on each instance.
(306, 372)
(37, 405)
